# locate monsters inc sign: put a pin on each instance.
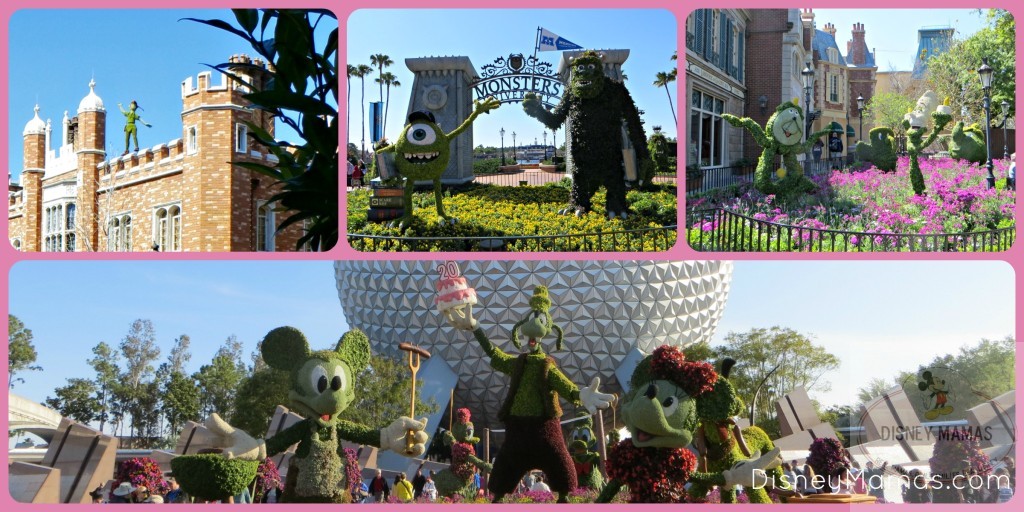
(508, 80)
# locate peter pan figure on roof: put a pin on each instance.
(130, 131)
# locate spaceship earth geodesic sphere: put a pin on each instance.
(606, 308)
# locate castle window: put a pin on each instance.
(707, 135)
(241, 138)
(192, 140)
(119, 233)
(58, 228)
(265, 227)
(833, 94)
(167, 228)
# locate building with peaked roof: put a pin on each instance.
(187, 194)
(931, 42)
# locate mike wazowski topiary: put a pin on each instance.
(661, 413)
(323, 386)
(422, 153)
(879, 150)
(595, 106)
(780, 136)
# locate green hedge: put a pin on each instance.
(211, 477)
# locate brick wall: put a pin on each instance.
(763, 78)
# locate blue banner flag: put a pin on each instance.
(550, 41)
(376, 121)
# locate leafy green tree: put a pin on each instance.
(954, 74)
(886, 109)
(21, 353)
(181, 397)
(139, 350)
(257, 397)
(700, 351)
(76, 400)
(105, 364)
(221, 378)
(180, 355)
(782, 359)
(384, 394)
(303, 94)
(381, 61)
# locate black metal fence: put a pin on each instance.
(636, 240)
(718, 177)
(723, 230)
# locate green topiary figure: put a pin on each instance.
(657, 146)
(916, 143)
(458, 478)
(323, 386)
(422, 154)
(721, 444)
(968, 143)
(879, 150)
(582, 445)
(595, 106)
(533, 435)
(780, 137)
(660, 411)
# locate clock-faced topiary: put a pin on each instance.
(661, 414)
(322, 386)
(596, 107)
(422, 153)
(780, 136)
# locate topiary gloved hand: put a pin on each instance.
(593, 399)
(750, 473)
(392, 437)
(237, 443)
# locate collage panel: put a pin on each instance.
(900, 140)
(583, 381)
(237, 114)
(509, 137)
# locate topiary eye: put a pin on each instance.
(590, 67)
(670, 404)
(338, 381)
(421, 134)
(581, 68)
(318, 379)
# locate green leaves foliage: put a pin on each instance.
(303, 94)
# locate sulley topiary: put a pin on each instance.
(968, 143)
(458, 478)
(721, 443)
(422, 154)
(595, 106)
(780, 137)
(322, 387)
(660, 411)
(879, 150)
(533, 436)
(582, 445)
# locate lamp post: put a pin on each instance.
(753, 401)
(808, 75)
(1006, 115)
(502, 132)
(985, 72)
(546, 144)
(763, 103)
(860, 116)
(514, 157)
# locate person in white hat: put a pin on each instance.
(155, 498)
(122, 493)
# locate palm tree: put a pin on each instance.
(352, 71)
(388, 80)
(381, 61)
(361, 71)
(675, 69)
(662, 79)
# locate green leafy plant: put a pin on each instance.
(211, 477)
(302, 92)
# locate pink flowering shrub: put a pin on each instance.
(142, 471)
(267, 478)
(957, 200)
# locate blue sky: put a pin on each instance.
(132, 54)
(892, 33)
(879, 317)
(486, 34)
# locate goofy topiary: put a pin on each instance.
(322, 386)
(660, 412)
(533, 436)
